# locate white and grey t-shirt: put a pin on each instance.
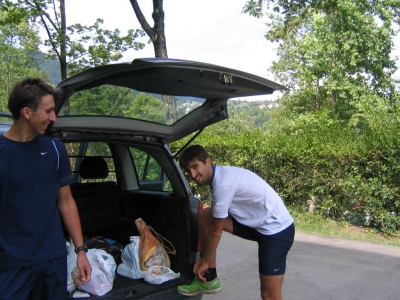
(249, 199)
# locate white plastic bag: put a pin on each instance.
(159, 274)
(103, 273)
(71, 265)
(130, 266)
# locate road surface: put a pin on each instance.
(318, 268)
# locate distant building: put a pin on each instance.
(273, 105)
(269, 105)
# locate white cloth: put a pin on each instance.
(249, 199)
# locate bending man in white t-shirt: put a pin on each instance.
(245, 205)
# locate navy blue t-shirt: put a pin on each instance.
(31, 174)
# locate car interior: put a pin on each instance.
(115, 184)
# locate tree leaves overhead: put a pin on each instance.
(331, 53)
(78, 46)
(91, 46)
(12, 14)
(18, 45)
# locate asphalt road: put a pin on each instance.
(318, 267)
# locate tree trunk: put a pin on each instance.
(157, 36)
(159, 41)
(63, 51)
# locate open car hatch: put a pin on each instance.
(156, 98)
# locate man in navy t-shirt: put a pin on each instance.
(34, 191)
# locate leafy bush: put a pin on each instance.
(351, 170)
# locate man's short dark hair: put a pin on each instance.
(27, 93)
(193, 152)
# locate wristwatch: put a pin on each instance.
(81, 248)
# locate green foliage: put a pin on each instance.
(253, 8)
(102, 100)
(18, 44)
(146, 166)
(90, 46)
(332, 54)
(314, 223)
(13, 15)
(351, 169)
(52, 67)
(335, 140)
(146, 107)
(117, 101)
(77, 46)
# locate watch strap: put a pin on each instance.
(81, 248)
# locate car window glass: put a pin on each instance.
(150, 174)
(78, 151)
(110, 100)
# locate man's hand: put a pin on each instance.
(200, 267)
(84, 268)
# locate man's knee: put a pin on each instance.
(267, 295)
(271, 287)
(204, 217)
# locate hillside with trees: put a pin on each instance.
(51, 66)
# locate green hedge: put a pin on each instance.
(352, 172)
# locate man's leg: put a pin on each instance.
(271, 287)
(272, 253)
(17, 283)
(205, 218)
(268, 255)
(51, 283)
(212, 284)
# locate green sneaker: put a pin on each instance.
(200, 287)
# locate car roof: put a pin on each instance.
(6, 121)
(204, 88)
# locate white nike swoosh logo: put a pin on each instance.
(43, 153)
(276, 270)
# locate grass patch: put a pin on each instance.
(312, 223)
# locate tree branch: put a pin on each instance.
(142, 20)
(42, 12)
(78, 57)
(46, 27)
(55, 12)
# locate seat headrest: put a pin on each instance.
(93, 167)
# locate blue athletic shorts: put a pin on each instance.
(272, 249)
(45, 281)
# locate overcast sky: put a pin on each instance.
(211, 31)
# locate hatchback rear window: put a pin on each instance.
(117, 101)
